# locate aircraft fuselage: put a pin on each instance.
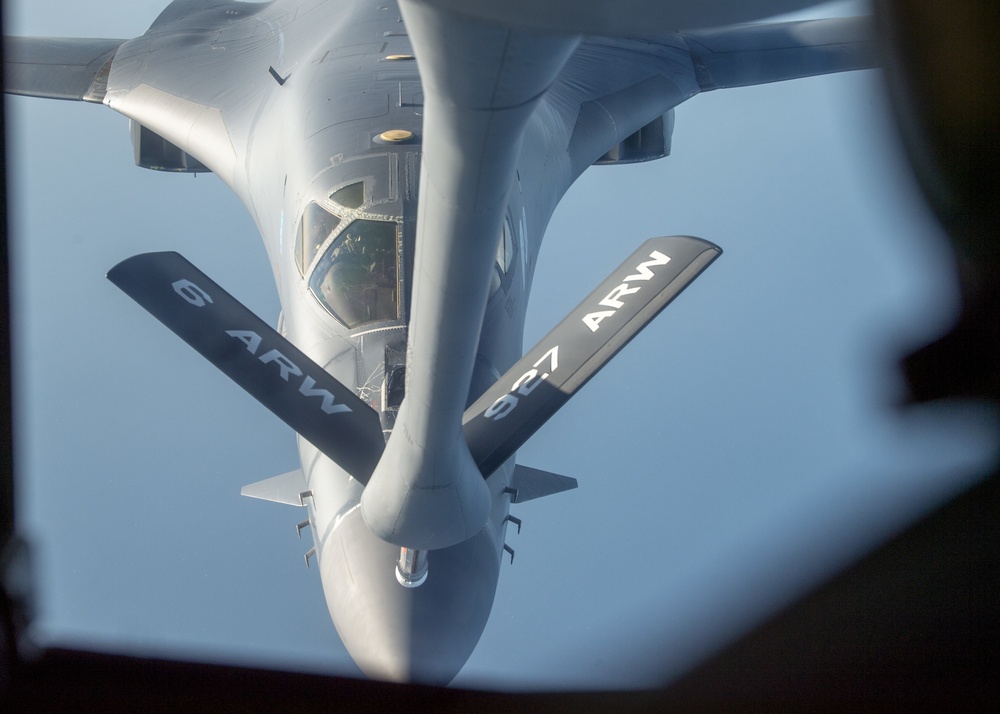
(317, 145)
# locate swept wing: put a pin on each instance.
(57, 67)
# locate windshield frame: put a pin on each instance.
(370, 291)
(343, 218)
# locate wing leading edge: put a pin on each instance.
(58, 68)
(744, 55)
(612, 88)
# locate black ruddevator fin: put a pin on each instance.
(273, 370)
(514, 408)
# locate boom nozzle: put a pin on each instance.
(411, 568)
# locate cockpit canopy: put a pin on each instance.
(356, 279)
(357, 276)
(316, 226)
(352, 260)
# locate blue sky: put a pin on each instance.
(742, 447)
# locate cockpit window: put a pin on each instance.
(505, 251)
(505, 256)
(356, 280)
(315, 227)
(351, 196)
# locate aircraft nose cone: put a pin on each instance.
(424, 634)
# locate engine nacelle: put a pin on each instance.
(650, 142)
(154, 152)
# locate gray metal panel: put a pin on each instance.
(616, 18)
(757, 54)
(55, 68)
(355, 106)
(184, 10)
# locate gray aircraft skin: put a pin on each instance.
(401, 164)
